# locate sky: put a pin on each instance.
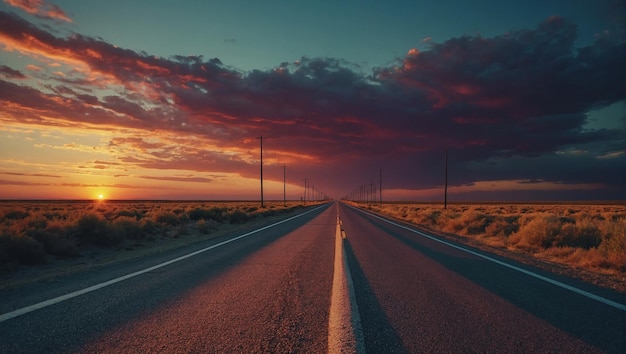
(167, 99)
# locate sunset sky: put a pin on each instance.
(166, 99)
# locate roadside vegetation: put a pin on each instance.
(36, 232)
(590, 237)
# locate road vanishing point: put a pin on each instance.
(333, 279)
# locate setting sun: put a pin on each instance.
(100, 197)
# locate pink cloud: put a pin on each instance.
(32, 67)
(40, 8)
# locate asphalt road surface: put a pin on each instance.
(270, 291)
(418, 295)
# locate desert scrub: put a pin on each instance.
(237, 216)
(587, 236)
(33, 232)
(166, 218)
(127, 227)
(206, 226)
(215, 213)
(470, 222)
(93, 229)
(20, 249)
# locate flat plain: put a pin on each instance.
(43, 239)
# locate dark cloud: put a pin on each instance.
(505, 107)
(11, 73)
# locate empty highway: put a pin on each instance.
(275, 290)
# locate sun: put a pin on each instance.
(100, 197)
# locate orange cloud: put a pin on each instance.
(32, 67)
(40, 8)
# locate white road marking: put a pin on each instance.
(345, 334)
(56, 300)
(510, 266)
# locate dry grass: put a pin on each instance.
(589, 237)
(35, 232)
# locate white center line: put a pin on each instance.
(345, 334)
(56, 300)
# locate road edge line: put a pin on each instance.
(571, 288)
(24, 310)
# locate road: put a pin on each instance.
(419, 295)
(270, 291)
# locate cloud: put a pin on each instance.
(30, 174)
(41, 9)
(512, 101)
(179, 179)
(11, 73)
(32, 67)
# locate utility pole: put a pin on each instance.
(305, 192)
(285, 186)
(261, 139)
(445, 191)
(380, 189)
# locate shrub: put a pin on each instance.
(16, 214)
(503, 226)
(182, 229)
(167, 218)
(206, 214)
(127, 228)
(583, 234)
(53, 215)
(613, 238)
(476, 223)
(206, 226)
(147, 225)
(93, 229)
(268, 213)
(237, 217)
(20, 249)
(425, 217)
(471, 222)
(541, 232)
(55, 239)
(130, 213)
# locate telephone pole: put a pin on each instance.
(305, 192)
(445, 190)
(261, 139)
(380, 189)
(284, 185)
